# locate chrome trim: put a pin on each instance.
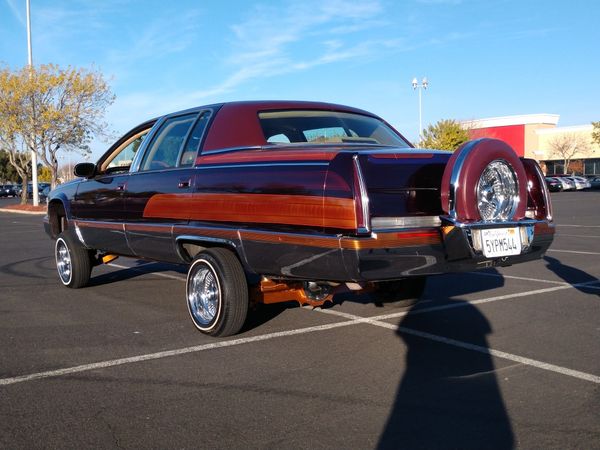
(455, 175)
(269, 164)
(515, 198)
(198, 238)
(79, 235)
(364, 197)
(203, 293)
(497, 224)
(391, 223)
(63, 261)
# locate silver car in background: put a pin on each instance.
(580, 182)
(568, 185)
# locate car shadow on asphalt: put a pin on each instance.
(572, 275)
(438, 289)
(139, 268)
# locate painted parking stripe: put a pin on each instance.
(477, 348)
(514, 277)
(170, 353)
(354, 320)
(577, 226)
(573, 251)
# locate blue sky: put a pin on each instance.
(482, 58)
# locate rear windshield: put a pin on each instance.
(326, 127)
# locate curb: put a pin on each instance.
(19, 211)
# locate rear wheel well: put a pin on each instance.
(189, 248)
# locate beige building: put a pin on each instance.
(537, 136)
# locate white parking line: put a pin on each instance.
(513, 277)
(169, 353)
(354, 320)
(485, 350)
(577, 226)
(573, 251)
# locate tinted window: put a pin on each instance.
(188, 156)
(327, 127)
(163, 153)
(125, 156)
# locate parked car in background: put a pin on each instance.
(583, 181)
(554, 184)
(580, 183)
(41, 187)
(8, 190)
(268, 202)
(568, 185)
(44, 193)
(594, 182)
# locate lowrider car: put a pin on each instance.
(268, 202)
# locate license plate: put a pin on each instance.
(496, 242)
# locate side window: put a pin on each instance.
(163, 152)
(120, 160)
(190, 151)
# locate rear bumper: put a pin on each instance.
(453, 252)
(383, 254)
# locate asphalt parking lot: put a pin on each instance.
(500, 359)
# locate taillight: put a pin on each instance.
(361, 199)
(538, 198)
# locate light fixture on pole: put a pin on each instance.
(424, 84)
(34, 177)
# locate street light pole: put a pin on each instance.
(424, 84)
(34, 177)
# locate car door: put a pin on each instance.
(159, 189)
(98, 206)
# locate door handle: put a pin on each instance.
(183, 184)
(120, 187)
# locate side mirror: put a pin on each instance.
(85, 170)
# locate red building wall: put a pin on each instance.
(513, 135)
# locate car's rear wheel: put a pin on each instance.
(400, 293)
(217, 292)
(73, 261)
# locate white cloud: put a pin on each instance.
(18, 12)
(263, 44)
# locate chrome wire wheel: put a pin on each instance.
(217, 292)
(497, 192)
(63, 261)
(204, 295)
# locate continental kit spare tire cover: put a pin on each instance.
(465, 167)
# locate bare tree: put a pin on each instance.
(566, 146)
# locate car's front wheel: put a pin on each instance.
(72, 261)
(217, 292)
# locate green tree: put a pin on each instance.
(446, 134)
(47, 108)
(596, 132)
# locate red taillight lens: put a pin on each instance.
(538, 198)
(361, 200)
